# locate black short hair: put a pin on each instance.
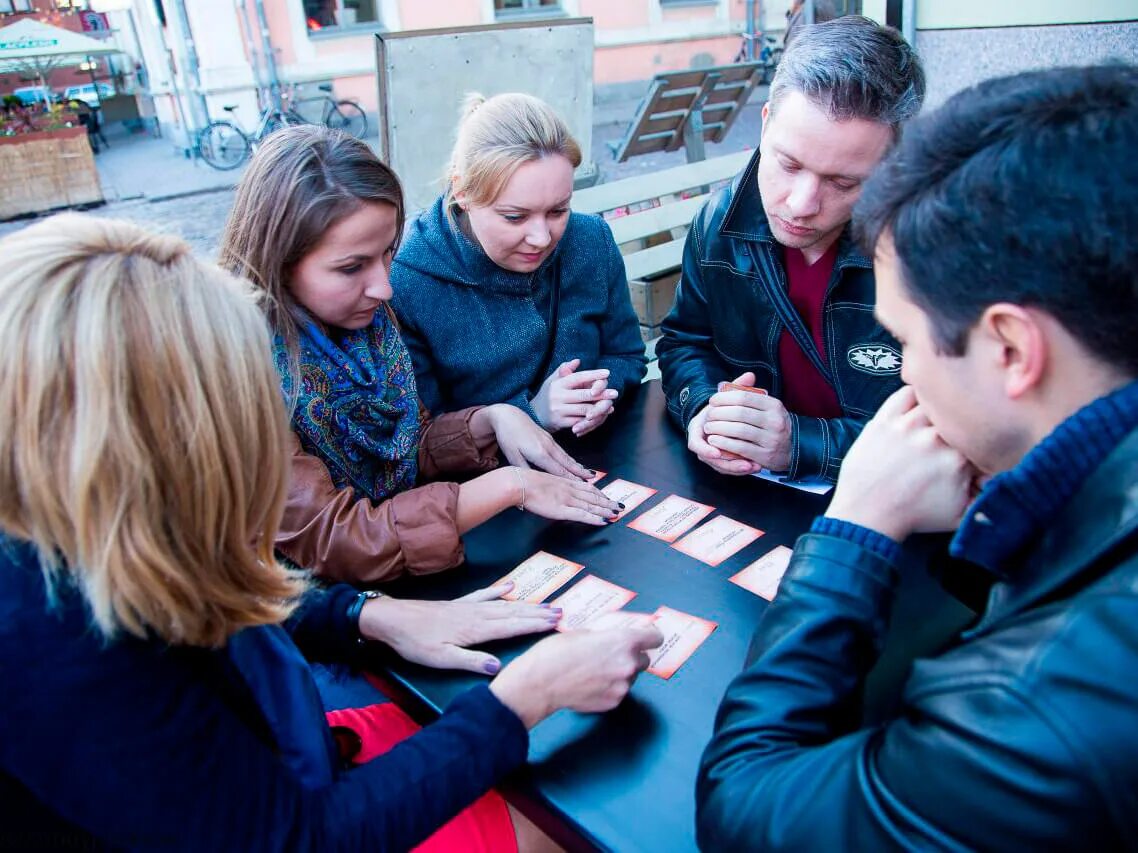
(1022, 190)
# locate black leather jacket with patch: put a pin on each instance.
(732, 306)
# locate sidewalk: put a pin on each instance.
(138, 165)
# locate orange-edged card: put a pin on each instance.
(588, 599)
(720, 538)
(762, 577)
(683, 634)
(538, 577)
(597, 475)
(631, 495)
(671, 518)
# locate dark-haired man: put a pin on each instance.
(774, 293)
(1003, 230)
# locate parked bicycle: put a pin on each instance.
(224, 144)
(345, 115)
(761, 47)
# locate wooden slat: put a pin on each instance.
(665, 182)
(637, 226)
(654, 261)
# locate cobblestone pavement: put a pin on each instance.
(200, 217)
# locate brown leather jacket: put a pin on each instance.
(348, 538)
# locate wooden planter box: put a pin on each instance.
(45, 170)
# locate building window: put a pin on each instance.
(330, 14)
(15, 5)
(514, 8)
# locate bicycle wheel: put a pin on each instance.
(222, 145)
(285, 118)
(348, 117)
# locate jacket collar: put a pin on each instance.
(1065, 506)
(746, 219)
(455, 256)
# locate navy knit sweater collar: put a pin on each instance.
(1018, 504)
(448, 254)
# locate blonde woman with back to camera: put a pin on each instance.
(505, 295)
(142, 478)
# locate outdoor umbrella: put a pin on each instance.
(31, 47)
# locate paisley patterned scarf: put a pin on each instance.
(357, 408)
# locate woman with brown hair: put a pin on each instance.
(315, 224)
(152, 649)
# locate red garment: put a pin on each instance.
(482, 827)
(805, 391)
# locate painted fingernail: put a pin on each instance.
(492, 667)
(591, 471)
(619, 504)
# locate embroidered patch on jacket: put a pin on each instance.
(877, 359)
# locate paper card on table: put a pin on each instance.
(588, 599)
(717, 540)
(683, 634)
(814, 485)
(597, 475)
(629, 494)
(539, 576)
(672, 518)
(762, 576)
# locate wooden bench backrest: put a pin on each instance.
(630, 230)
(652, 239)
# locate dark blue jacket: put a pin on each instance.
(144, 746)
(731, 308)
(1020, 736)
(479, 333)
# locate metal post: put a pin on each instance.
(270, 59)
(251, 43)
(198, 112)
(750, 37)
(909, 21)
(808, 13)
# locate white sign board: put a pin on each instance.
(425, 74)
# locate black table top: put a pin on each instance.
(625, 780)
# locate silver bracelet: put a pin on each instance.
(522, 483)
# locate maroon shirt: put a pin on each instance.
(805, 391)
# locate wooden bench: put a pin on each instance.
(649, 216)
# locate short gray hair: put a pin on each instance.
(852, 67)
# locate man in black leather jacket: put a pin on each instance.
(773, 291)
(1003, 230)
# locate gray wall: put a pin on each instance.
(956, 59)
(424, 76)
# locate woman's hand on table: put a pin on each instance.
(589, 669)
(437, 633)
(570, 397)
(561, 499)
(527, 445)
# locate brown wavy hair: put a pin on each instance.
(145, 455)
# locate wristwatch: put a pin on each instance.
(356, 608)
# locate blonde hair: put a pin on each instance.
(300, 183)
(146, 449)
(495, 137)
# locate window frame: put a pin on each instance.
(337, 30)
(531, 9)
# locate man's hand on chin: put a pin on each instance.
(899, 477)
